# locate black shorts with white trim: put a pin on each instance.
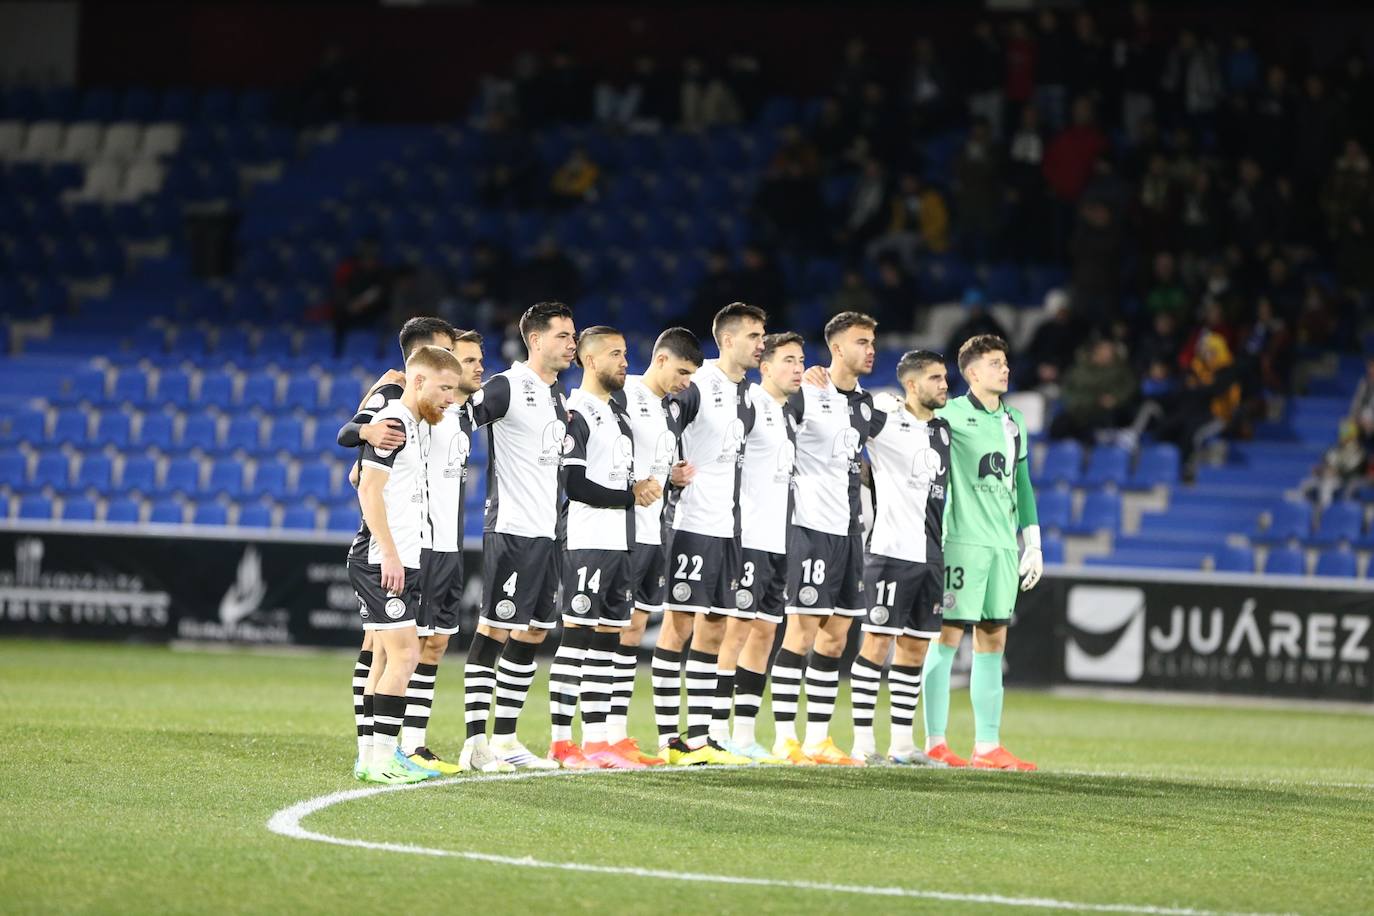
(441, 592)
(648, 576)
(519, 582)
(905, 598)
(825, 573)
(596, 588)
(379, 608)
(703, 574)
(763, 584)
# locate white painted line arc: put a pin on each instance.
(287, 823)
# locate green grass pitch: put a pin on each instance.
(141, 780)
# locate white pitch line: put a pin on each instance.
(287, 822)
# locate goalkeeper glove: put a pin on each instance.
(1032, 561)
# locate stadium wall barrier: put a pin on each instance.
(1276, 636)
(174, 583)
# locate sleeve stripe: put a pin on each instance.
(376, 465)
(578, 462)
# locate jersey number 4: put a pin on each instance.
(509, 586)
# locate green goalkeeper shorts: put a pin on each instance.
(980, 583)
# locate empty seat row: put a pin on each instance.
(214, 389)
(1064, 463)
(65, 103)
(1280, 561)
(1289, 520)
(143, 474)
(85, 141)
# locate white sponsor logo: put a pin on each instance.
(879, 615)
(744, 599)
(581, 604)
(1106, 634)
(246, 593)
(682, 591)
(505, 609)
(807, 595)
(395, 608)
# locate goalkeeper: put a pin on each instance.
(990, 498)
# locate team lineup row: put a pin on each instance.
(730, 506)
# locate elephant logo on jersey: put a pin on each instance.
(926, 468)
(993, 464)
(846, 445)
(664, 448)
(458, 449)
(787, 462)
(551, 442)
(622, 458)
(734, 439)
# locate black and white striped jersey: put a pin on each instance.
(526, 420)
(910, 460)
(446, 446)
(600, 443)
(832, 429)
(766, 477)
(711, 417)
(655, 451)
(403, 496)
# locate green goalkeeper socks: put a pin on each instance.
(985, 689)
(935, 681)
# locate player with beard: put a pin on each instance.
(384, 560)
(598, 527)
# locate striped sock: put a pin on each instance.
(514, 674)
(388, 711)
(865, 679)
(748, 698)
(666, 678)
(598, 676)
(787, 675)
(701, 689)
(720, 707)
(419, 706)
(565, 680)
(822, 685)
(362, 718)
(365, 731)
(617, 723)
(479, 680)
(904, 684)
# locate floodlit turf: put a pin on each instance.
(142, 780)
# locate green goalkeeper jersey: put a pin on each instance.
(987, 447)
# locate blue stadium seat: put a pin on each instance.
(245, 433)
(1235, 559)
(255, 515)
(183, 476)
(344, 517)
(24, 426)
(78, 509)
(1287, 519)
(1101, 512)
(210, 513)
(155, 431)
(303, 392)
(269, 479)
(1063, 463)
(53, 469)
(122, 511)
(13, 470)
(168, 512)
(113, 429)
(1339, 563)
(287, 435)
(1285, 561)
(259, 390)
(130, 387)
(71, 426)
(1340, 522)
(139, 474)
(199, 431)
(226, 478)
(345, 393)
(1108, 464)
(216, 390)
(35, 506)
(1052, 549)
(298, 518)
(87, 384)
(173, 389)
(315, 480)
(95, 473)
(1053, 506)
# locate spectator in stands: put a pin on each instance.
(616, 101)
(1349, 205)
(567, 91)
(330, 93)
(1096, 252)
(1051, 349)
(1166, 293)
(854, 295)
(1357, 92)
(362, 292)
(744, 76)
(1206, 404)
(789, 199)
(1026, 190)
(1242, 66)
(1199, 214)
(985, 77)
(866, 215)
(1362, 405)
(1315, 133)
(484, 297)
(874, 121)
(1019, 64)
(918, 222)
(706, 99)
(1257, 212)
(1070, 157)
(1138, 60)
(759, 281)
(1214, 323)
(507, 168)
(1265, 355)
(1158, 205)
(575, 180)
(1192, 76)
(654, 94)
(928, 89)
(831, 135)
(977, 321)
(1051, 69)
(1098, 393)
(897, 296)
(1161, 344)
(1344, 466)
(1088, 63)
(979, 194)
(548, 276)
(855, 71)
(716, 289)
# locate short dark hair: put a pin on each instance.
(539, 316)
(846, 320)
(590, 334)
(467, 337)
(422, 330)
(774, 342)
(681, 344)
(916, 360)
(730, 316)
(975, 347)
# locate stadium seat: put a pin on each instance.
(1052, 549)
(22, 426)
(183, 476)
(254, 515)
(173, 389)
(52, 469)
(13, 470)
(216, 390)
(1101, 512)
(96, 472)
(1338, 563)
(112, 429)
(167, 512)
(259, 390)
(1053, 506)
(122, 511)
(303, 392)
(130, 387)
(78, 509)
(287, 435)
(1108, 464)
(315, 481)
(244, 434)
(298, 518)
(1287, 520)
(1235, 559)
(139, 474)
(1063, 463)
(1285, 561)
(269, 479)
(210, 513)
(71, 427)
(200, 431)
(155, 431)
(1341, 522)
(344, 517)
(36, 506)
(226, 478)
